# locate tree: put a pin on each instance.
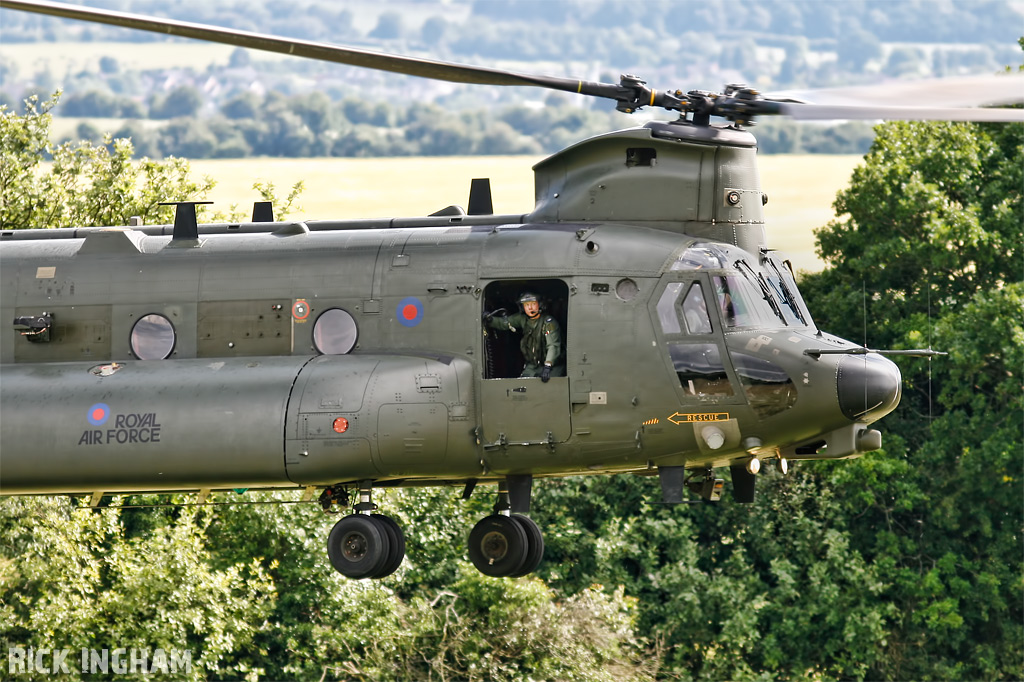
(435, 29)
(316, 112)
(389, 26)
(109, 65)
(187, 137)
(243, 105)
(856, 48)
(71, 578)
(94, 103)
(240, 58)
(182, 101)
(86, 184)
(928, 243)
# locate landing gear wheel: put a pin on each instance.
(498, 546)
(358, 546)
(396, 545)
(534, 545)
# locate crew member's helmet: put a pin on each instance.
(526, 296)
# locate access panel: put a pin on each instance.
(381, 417)
(525, 411)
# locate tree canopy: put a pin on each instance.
(93, 184)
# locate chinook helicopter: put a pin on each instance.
(342, 356)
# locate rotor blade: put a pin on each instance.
(424, 68)
(824, 112)
(957, 91)
(630, 94)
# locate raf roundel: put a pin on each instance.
(98, 414)
(409, 311)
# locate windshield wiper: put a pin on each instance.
(763, 286)
(788, 298)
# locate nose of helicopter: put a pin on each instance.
(869, 386)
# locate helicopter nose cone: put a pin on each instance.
(869, 386)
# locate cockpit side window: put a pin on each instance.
(667, 309)
(674, 309)
(768, 388)
(700, 370)
(695, 311)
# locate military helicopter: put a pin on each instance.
(343, 356)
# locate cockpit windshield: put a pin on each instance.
(751, 292)
(780, 278)
(740, 303)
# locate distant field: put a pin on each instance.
(801, 188)
(62, 58)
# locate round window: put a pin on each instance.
(626, 289)
(335, 332)
(152, 337)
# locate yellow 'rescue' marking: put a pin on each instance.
(680, 418)
(652, 96)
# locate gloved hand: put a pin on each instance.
(545, 374)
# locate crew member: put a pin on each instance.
(541, 344)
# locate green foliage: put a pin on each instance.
(184, 100)
(70, 579)
(87, 184)
(928, 245)
(769, 591)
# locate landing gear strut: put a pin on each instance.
(506, 545)
(366, 545)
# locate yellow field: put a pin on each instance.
(62, 58)
(801, 188)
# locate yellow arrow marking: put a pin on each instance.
(681, 418)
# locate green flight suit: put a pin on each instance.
(541, 343)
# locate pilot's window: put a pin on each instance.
(152, 337)
(695, 312)
(768, 388)
(737, 300)
(667, 308)
(335, 332)
(700, 369)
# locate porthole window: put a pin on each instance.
(153, 337)
(335, 332)
(626, 289)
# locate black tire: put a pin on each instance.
(396, 545)
(534, 545)
(358, 546)
(498, 546)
